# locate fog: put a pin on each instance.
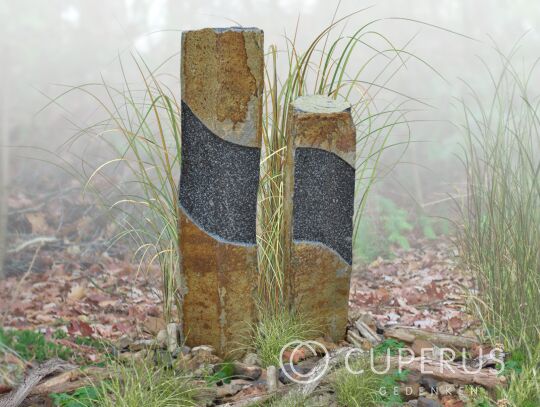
(47, 47)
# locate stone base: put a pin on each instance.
(218, 306)
(320, 283)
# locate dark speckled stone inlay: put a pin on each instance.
(218, 182)
(323, 200)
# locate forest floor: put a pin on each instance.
(66, 282)
(68, 292)
(423, 287)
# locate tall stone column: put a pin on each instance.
(222, 86)
(319, 206)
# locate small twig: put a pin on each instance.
(96, 285)
(41, 240)
(443, 200)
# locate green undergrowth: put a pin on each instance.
(142, 384)
(356, 390)
(388, 347)
(31, 345)
(478, 397)
(390, 226)
(224, 374)
(523, 372)
(84, 397)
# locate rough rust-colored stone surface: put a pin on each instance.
(318, 277)
(222, 85)
(220, 278)
(321, 282)
(317, 125)
(222, 81)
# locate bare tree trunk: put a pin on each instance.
(4, 165)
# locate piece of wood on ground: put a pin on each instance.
(451, 372)
(72, 380)
(367, 332)
(354, 338)
(36, 375)
(409, 334)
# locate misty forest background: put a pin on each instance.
(46, 48)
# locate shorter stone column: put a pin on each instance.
(319, 207)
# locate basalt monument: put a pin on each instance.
(222, 79)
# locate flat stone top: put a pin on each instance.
(219, 30)
(320, 104)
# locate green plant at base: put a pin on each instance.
(524, 388)
(388, 346)
(31, 345)
(99, 344)
(366, 389)
(478, 397)
(59, 334)
(225, 373)
(524, 379)
(273, 331)
(514, 363)
(142, 384)
(83, 397)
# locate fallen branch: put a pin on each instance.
(409, 334)
(452, 372)
(372, 337)
(32, 242)
(40, 382)
(442, 371)
(17, 396)
(71, 381)
(354, 338)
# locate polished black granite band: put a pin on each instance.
(323, 200)
(218, 182)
